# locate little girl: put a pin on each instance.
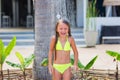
(61, 45)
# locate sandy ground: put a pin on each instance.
(26, 51)
(103, 61)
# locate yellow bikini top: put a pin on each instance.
(66, 47)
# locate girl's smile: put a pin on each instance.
(62, 29)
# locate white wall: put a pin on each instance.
(79, 16)
(84, 12)
(108, 21)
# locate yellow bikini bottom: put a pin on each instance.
(62, 67)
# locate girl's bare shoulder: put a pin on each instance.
(71, 39)
(53, 38)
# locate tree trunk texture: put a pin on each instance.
(44, 28)
(71, 11)
(67, 10)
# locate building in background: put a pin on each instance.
(16, 13)
(108, 16)
(20, 13)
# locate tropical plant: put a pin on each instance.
(116, 56)
(90, 14)
(24, 62)
(80, 65)
(5, 51)
(84, 67)
(87, 66)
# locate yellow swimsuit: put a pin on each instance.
(62, 67)
(67, 46)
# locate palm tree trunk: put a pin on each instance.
(44, 28)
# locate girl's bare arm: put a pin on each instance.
(51, 49)
(73, 45)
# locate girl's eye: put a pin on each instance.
(65, 28)
(60, 28)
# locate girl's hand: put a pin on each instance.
(50, 67)
(75, 67)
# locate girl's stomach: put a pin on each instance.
(62, 57)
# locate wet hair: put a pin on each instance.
(57, 34)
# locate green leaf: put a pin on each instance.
(89, 65)
(72, 61)
(21, 59)
(112, 53)
(118, 57)
(44, 62)
(10, 46)
(1, 51)
(91, 12)
(29, 60)
(80, 65)
(13, 64)
(8, 49)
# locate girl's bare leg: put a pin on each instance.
(67, 74)
(56, 75)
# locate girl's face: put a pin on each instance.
(62, 29)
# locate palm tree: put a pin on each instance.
(44, 28)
